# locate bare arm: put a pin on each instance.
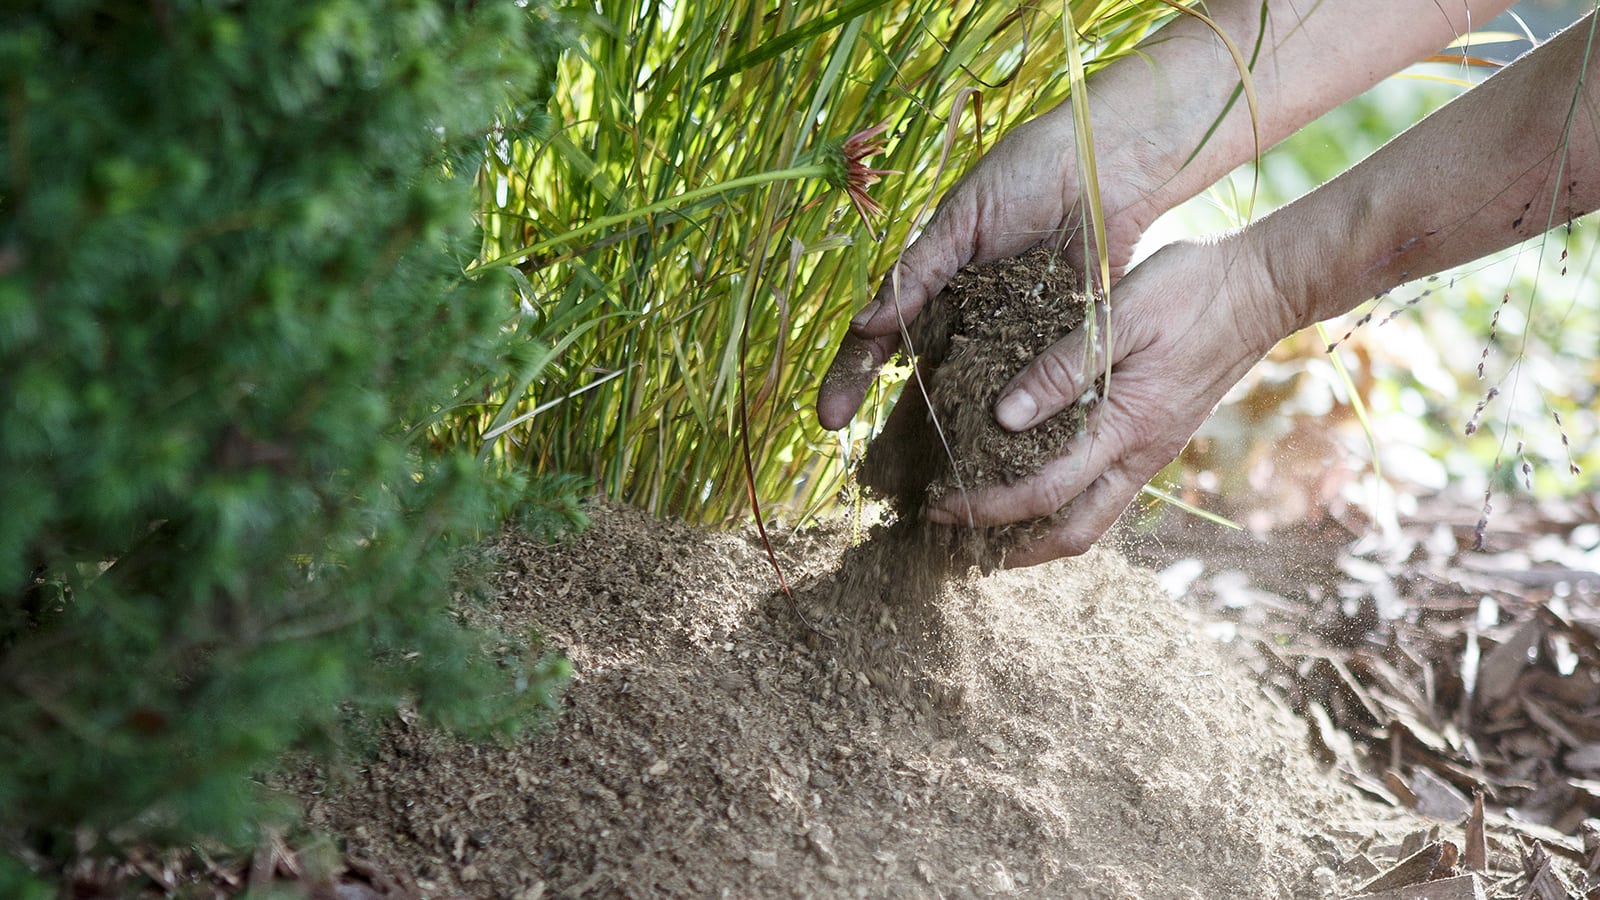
(1149, 111)
(1510, 159)
(1309, 56)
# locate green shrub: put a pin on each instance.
(231, 244)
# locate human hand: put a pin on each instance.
(1024, 192)
(1166, 126)
(1184, 326)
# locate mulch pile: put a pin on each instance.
(1457, 688)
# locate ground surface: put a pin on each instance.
(1062, 731)
(903, 727)
(1338, 704)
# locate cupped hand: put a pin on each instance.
(1184, 326)
(1024, 192)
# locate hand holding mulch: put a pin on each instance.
(942, 441)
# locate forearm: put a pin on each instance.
(1305, 58)
(1509, 159)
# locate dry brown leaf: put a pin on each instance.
(1414, 869)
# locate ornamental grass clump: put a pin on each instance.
(756, 168)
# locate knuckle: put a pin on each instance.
(1063, 542)
(1048, 499)
(1074, 545)
(1052, 380)
(1079, 533)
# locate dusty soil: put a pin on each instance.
(1061, 731)
(905, 727)
(896, 728)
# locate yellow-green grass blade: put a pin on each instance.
(1177, 502)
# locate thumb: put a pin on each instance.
(1056, 378)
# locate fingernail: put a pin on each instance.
(1016, 410)
(865, 316)
(941, 516)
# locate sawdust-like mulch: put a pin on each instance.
(1060, 731)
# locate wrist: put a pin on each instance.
(1158, 114)
(1129, 164)
(1275, 285)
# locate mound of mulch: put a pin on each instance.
(902, 727)
(1055, 732)
(898, 727)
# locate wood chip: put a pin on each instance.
(1498, 670)
(1544, 882)
(1461, 887)
(1437, 798)
(1590, 830)
(1586, 758)
(1359, 866)
(1409, 871)
(1546, 836)
(1396, 782)
(1547, 720)
(1475, 855)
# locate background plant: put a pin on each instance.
(650, 342)
(635, 334)
(231, 244)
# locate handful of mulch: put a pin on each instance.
(988, 323)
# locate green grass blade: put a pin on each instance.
(795, 37)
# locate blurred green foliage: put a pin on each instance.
(231, 245)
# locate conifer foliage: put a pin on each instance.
(231, 241)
